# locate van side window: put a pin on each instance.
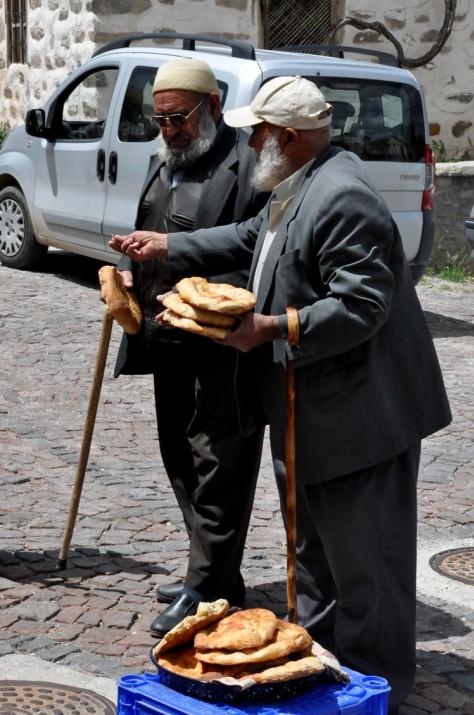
(81, 113)
(377, 120)
(135, 124)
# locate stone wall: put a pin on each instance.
(448, 81)
(60, 38)
(233, 19)
(63, 34)
(454, 198)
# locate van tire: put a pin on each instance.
(18, 245)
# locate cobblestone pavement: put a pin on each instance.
(94, 616)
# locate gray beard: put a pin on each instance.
(180, 158)
(272, 166)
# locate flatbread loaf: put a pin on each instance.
(251, 628)
(289, 638)
(176, 304)
(191, 326)
(219, 297)
(120, 301)
(182, 661)
(291, 670)
(186, 629)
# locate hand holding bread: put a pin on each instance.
(121, 303)
(204, 308)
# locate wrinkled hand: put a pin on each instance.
(254, 330)
(141, 245)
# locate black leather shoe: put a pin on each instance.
(168, 592)
(181, 607)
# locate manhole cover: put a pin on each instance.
(455, 563)
(20, 696)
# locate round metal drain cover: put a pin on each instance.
(18, 697)
(455, 563)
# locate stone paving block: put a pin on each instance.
(34, 610)
(422, 703)
(69, 614)
(67, 632)
(91, 617)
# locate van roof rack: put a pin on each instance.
(243, 50)
(338, 51)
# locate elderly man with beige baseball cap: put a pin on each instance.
(200, 177)
(368, 383)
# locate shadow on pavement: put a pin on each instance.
(72, 267)
(434, 623)
(441, 326)
(42, 566)
(443, 680)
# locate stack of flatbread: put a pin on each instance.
(241, 648)
(205, 308)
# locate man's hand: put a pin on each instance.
(254, 329)
(141, 245)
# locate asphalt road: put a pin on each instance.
(94, 616)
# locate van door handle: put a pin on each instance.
(113, 161)
(100, 169)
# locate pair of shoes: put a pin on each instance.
(181, 607)
(168, 592)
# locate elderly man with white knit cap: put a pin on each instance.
(367, 379)
(199, 178)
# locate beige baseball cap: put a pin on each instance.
(285, 102)
(185, 73)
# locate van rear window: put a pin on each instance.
(378, 121)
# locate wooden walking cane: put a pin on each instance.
(104, 341)
(290, 464)
(122, 305)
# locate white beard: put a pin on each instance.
(179, 158)
(272, 166)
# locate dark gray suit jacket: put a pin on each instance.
(228, 196)
(367, 375)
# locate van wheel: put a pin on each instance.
(18, 246)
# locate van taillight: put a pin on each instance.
(428, 193)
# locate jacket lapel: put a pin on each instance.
(258, 245)
(224, 177)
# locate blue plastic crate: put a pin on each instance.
(364, 695)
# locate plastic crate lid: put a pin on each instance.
(364, 695)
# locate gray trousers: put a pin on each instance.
(356, 567)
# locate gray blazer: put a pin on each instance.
(367, 375)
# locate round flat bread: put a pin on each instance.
(289, 638)
(219, 297)
(186, 629)
(251, 628)
(291, 670)
(191, 326)
(182, 661)
(176, 304)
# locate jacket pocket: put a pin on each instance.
(337, 374)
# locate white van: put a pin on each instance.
(71, 176)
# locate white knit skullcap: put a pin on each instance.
(185, 73)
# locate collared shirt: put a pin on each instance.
(280, 200)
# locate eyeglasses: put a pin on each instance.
(176, 120)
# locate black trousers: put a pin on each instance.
(213, 469)
(356, 567)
